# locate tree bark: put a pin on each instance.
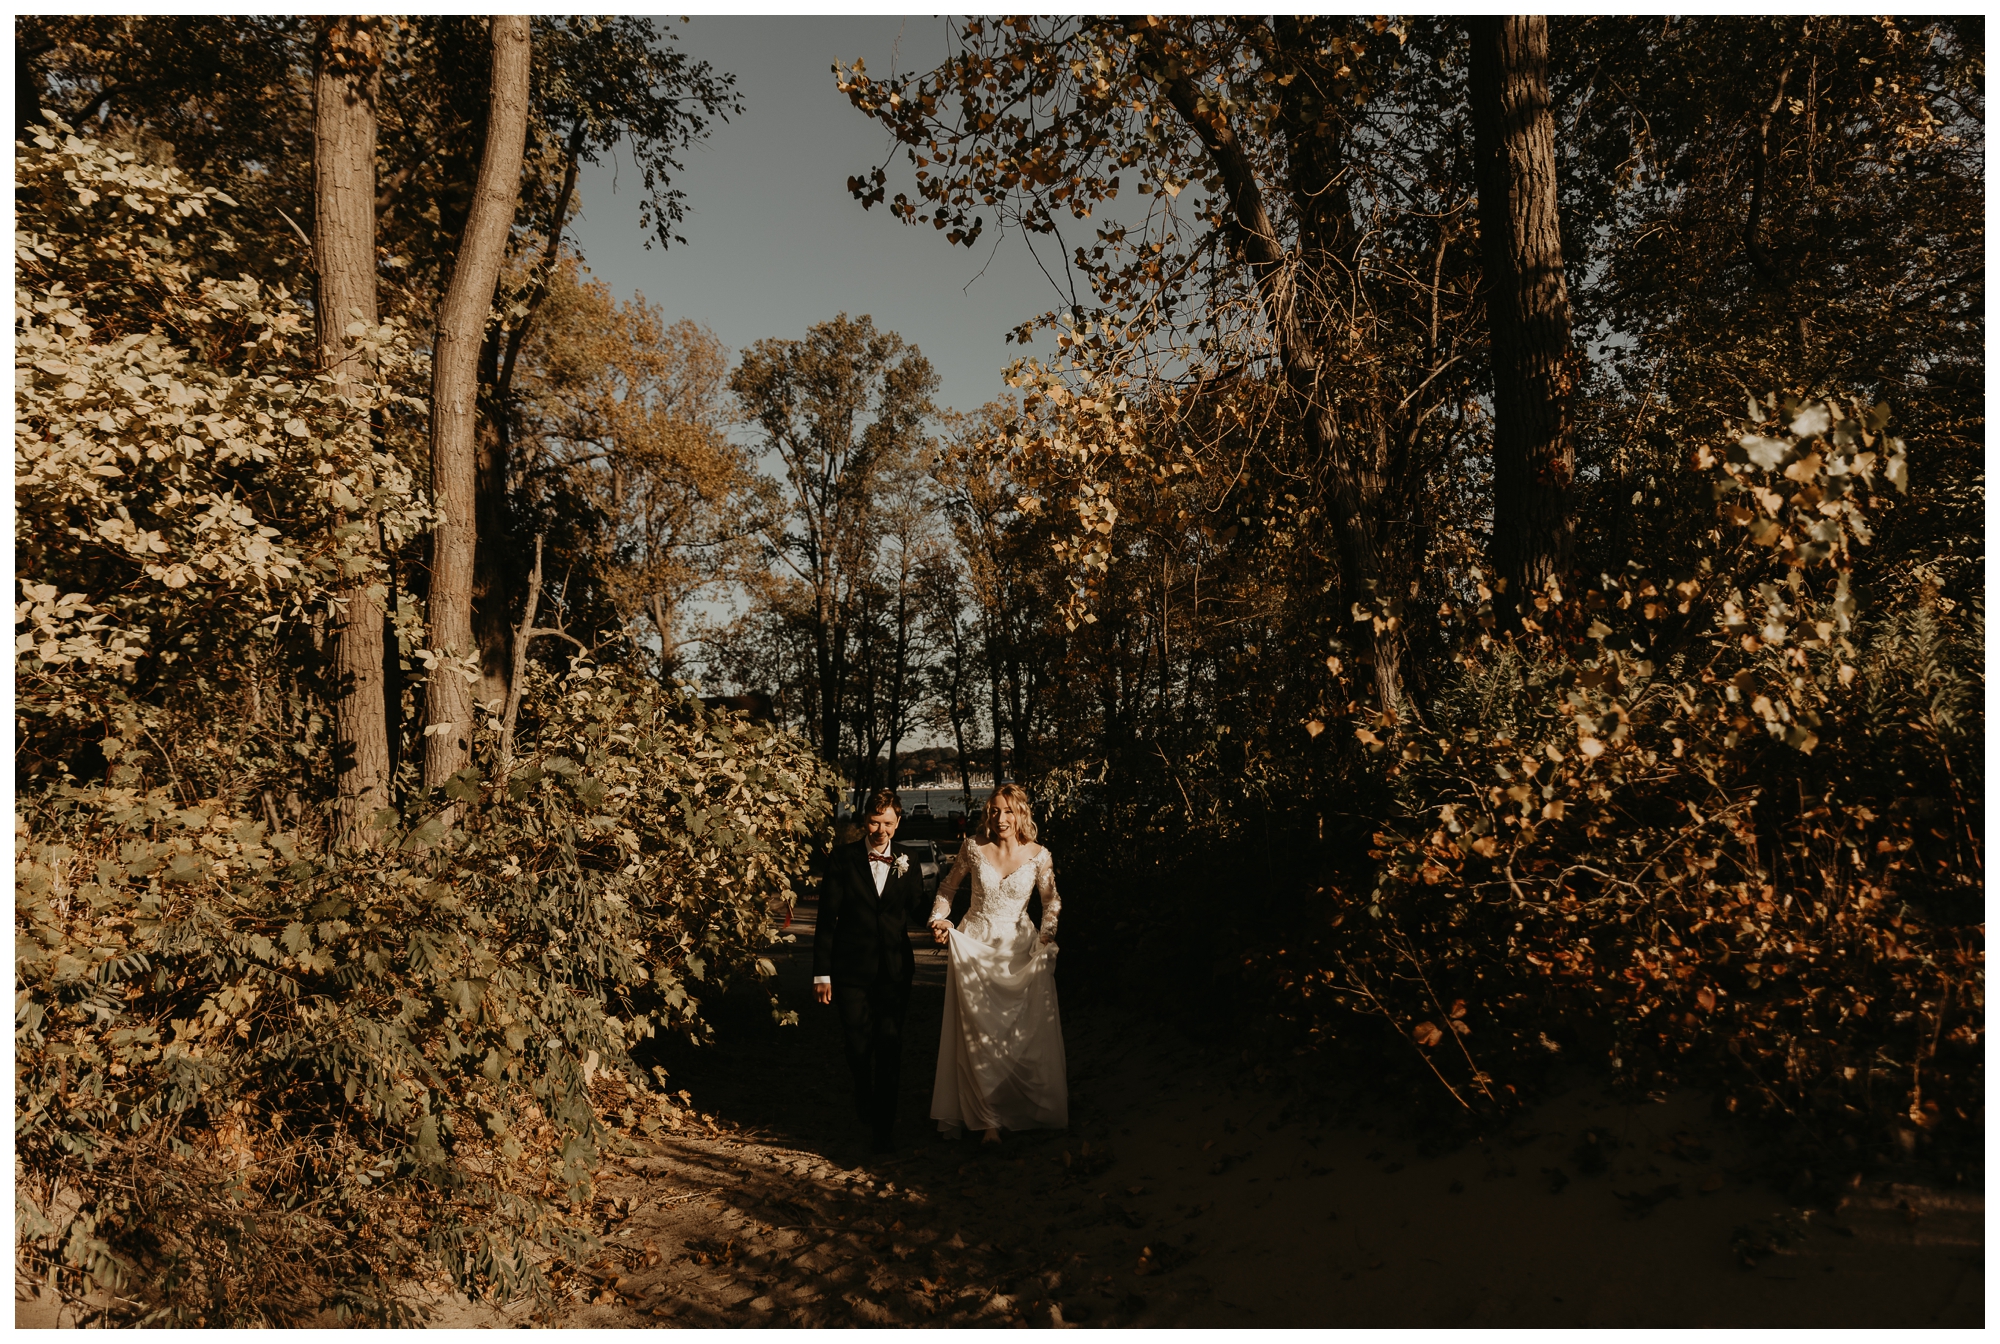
(1527, 302)
(455, 354)
(958, 737)
(832, 688)
(345, 84)
(656, 607)
(897, 679)
(993, 694)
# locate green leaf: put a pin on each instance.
(429, 1150)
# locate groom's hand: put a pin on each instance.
(824, 993)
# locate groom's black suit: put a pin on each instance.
(862, 942)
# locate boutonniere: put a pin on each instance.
(902, 864)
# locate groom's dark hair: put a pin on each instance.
(883, 800)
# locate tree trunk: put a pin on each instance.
(1527, 301)
(496, 551)
(524, 634)
(345, 82)
(829, 692)
(1363, 468)
(827, 684)
(1020, 704)
(958, 739)
(461, 332)
(495, 559)
(993, 697)
(896, 686)
(656, 607)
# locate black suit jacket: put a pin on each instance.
(863, 939)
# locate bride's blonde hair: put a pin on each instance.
(1016, 799)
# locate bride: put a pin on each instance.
(1000, 1054)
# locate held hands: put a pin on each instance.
(941, 931)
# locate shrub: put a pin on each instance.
(187, 489)
(254, 1083)
(1719, 826)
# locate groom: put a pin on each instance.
(862, 961)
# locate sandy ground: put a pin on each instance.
(1187, 1194)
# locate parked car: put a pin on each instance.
(921, 810)
(924, 854)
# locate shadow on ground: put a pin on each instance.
(1187, 1193)
(1190, 1190)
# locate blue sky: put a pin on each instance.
(775, 243)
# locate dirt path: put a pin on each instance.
(1185, 1195)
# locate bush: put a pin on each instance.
(189, 491)
(255, 1083)
(1722, 826)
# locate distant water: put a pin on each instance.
(941, 801)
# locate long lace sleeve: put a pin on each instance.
(960, 867)
(1045, 887)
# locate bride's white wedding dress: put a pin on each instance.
(1000, 1054)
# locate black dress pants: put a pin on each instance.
(871, 1024)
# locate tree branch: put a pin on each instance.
(547, 268)
(1752, 245)
(296, 229)
(523, 633)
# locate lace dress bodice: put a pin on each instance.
(999, 904)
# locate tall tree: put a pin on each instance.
(230, 98)
(345, 88)
(1320, 242)
(838, 408)
(953, 673)
(461, 330)
(1527, 300)
(597, 82)
(1003, 561)
(909, 536)
(623, 458)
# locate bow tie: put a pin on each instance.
(878, 858)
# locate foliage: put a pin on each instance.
(1771, 201)
(229, 99)
(1302, 227)
(255, 1078)
(242, 1065)
(623, 458)
(184, 480)
(845, 409)
(1719, 823)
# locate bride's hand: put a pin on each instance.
(941, 931)
(1048, 938)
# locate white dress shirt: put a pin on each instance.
(878, 871)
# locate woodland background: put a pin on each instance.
(1490, 577)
